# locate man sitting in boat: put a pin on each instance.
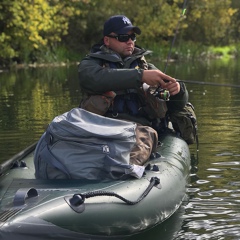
(117, 81)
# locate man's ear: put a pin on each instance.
(106, 40)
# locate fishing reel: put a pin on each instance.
(162, 94)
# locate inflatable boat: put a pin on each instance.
(34, 209)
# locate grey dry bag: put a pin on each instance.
(82, 145)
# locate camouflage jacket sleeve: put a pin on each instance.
(94, 78)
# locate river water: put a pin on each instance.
(31, 98)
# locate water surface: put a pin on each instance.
(30, 99)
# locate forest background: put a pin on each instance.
(34, 32)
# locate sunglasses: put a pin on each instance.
(123, 37)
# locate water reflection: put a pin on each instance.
(213, 208)
(30, 99)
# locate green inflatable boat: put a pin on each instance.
(36, 209)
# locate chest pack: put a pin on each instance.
(152, 106)
(82, 145)
(135, 102)
(185, 123)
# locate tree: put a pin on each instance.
(209, 21)
(30, 27)
(33, 30)
(157, 18)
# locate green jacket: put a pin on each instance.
(96, 77)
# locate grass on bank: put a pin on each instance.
(188, 51)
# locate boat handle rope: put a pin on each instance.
(79, 198)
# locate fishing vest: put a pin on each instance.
(125, 101)
(131, 104)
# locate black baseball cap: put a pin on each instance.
(119, 24)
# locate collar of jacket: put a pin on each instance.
(108, 54)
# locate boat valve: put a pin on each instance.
(156, 180)
(77, 200)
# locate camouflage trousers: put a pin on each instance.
(146, 143)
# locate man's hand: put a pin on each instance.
(156, 77)
(172, 87)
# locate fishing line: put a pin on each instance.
(175, 35)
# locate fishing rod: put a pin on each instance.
(163, 93)
(175, 34)
(212, 84)
(170, 52)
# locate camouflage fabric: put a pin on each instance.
(98, 104)
(153, 107)
(146, 143)
(185, 122)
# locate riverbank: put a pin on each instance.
(37, 65)
(184, 53)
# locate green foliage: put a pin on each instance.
(211, 21)
(224, 53)
(157, 18)
(47, 30)
(30, 27)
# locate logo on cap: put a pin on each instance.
(126, 21)
(119, 24)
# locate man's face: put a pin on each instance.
(124, 49)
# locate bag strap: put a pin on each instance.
(193, 119)
(49, 157)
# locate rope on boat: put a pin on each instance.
(79, 198)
